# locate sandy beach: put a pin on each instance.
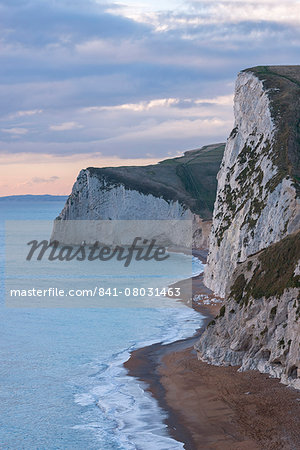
(216, 407)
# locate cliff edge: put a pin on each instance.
(254, 243)
(177, 188)
(257, 200)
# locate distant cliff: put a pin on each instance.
(254, 244)
(177, 188)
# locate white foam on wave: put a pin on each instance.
(198, 266)
(130, 418)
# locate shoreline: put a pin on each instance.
(144, 364)
(213, 407)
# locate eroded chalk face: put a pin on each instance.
(98, 263)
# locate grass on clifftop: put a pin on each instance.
(283, 85)
(190, 179)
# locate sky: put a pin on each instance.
(98, 83)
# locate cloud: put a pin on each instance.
(65, 126)
(26, 113)
(137, 107)
(45, 180)
(229, 11)
(97, 76)
(162, 103)
(204, 12)
(15, 131)
(168, 124)
(60, 22)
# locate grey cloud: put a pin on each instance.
(45, 66)
(38, 23)
(44, 180)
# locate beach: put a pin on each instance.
(213, 407)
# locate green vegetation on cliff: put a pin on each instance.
(274, 272)
(283, 85)
(190, 179)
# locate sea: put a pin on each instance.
(62, 380)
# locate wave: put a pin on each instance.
(198, 266)
(129, 417)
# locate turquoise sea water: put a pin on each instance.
(62, 382)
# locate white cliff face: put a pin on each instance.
(268, 341)
(255, 206)
(96, 198)
(256, 329)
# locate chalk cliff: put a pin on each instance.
(258, 326)
(255, 240)
(177, 188)
(257, 202)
